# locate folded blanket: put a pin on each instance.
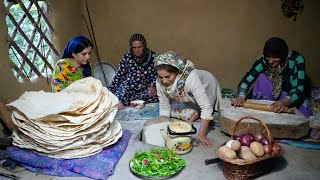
(98, 166)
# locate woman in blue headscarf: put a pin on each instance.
(74, 63)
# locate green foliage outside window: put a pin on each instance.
(32, 33)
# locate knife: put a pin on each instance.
(211, 161)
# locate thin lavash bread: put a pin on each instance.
(76, 122)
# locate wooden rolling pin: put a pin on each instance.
(264, 107)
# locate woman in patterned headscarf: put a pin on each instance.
(74, 63)
(186, 93)
(279, 76)
(135, 78)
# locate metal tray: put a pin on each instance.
(106, 68)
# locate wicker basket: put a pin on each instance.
(240, 169)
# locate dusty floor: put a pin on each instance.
(297, 163)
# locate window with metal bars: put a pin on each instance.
(30, 37)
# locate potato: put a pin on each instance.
(244, 148)
(229, 154)
(234, 145)
(248, 156)
(223, 149)
(257, 149)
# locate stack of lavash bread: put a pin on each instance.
(76, 122)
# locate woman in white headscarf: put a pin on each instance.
(186, 93)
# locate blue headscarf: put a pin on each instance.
(73, 42)
(68, 50)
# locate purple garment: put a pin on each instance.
(98, 166)
(262, 90)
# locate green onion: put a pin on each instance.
(148, 163)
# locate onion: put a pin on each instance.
(276, 149)
(258, 136)
(266, 149)
(264, 141)
(251, 136)
(246, 139)
(236, 137)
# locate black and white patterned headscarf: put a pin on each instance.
(145, 58)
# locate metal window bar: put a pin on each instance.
(37, 27)
(26, 58)
(30, 44)
(15, 30)
(28, 40)
(19, 51)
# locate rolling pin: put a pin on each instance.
(264, 107)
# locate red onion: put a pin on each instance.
(264, 141)
(246, 139)
(236, 137)
(258, 136)
(276, 148)
(251, 136)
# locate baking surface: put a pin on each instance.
(235, 113)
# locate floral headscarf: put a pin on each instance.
(183, 64)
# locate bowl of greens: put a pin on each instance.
(158, 163)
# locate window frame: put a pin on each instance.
(39, 62)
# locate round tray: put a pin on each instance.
(157, 177)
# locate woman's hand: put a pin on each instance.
(204, 140)
(281, 105)
(152, 91)
(238, 101)
(201, 137)
(120, 105)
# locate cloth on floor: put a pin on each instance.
(302, 144)
(98, 166)
(150, 111)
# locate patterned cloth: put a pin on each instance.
(98, 166)
(132, 79)
(64, 74)
(262, 90)
(293, 77)
(184, 65)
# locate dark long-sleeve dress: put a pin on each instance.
(132, 79)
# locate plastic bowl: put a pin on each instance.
(138, 104)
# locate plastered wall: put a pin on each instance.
(221, 36)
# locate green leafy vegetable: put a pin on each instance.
(160, 162)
